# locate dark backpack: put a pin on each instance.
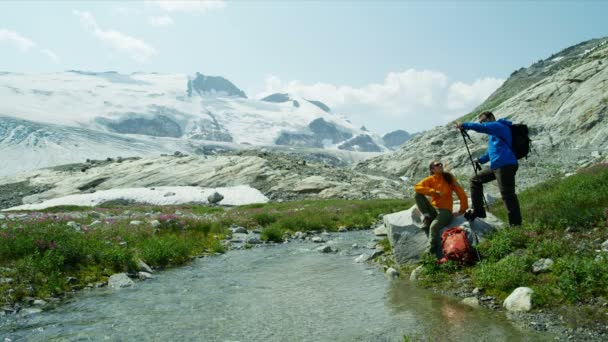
(521, 140)
(456, 247)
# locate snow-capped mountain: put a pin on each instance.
(48, 119)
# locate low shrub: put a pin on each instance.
(436, 274)
(272, 233)
(505, 275)
(117, 259)
(166, 250)
(502, 243)
(580, 278)
(552, 247)
(202, 226)
(215, 246)
(264, 218)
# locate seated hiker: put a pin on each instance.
(438, 212)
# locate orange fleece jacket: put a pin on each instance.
(431, 184)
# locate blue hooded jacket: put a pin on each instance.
(499, 152)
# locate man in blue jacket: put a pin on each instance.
(503, 166)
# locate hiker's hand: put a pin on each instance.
(458, 125)
(477, 164)
(438, 193)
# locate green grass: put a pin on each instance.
(579, 274)
(40, 252)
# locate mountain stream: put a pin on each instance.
(285, 292)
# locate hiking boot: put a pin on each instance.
(471, 214)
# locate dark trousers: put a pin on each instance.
(505, 176)
(440, 218)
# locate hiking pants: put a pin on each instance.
(505, 176)
(440, 218)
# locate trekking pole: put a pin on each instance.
(476, 166)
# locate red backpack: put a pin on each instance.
(456, 247)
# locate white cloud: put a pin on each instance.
(461, 95)
(200, 6)
(87, 20)
(13, 37)
(413, 100)
(159, 21)
(50, 54)
(137, 49)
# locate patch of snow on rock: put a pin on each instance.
(236, 195)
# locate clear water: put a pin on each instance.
(286, 292)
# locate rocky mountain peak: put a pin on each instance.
(565, 108)
(202, 84)
(284, 97)
(523, 78)
(321, 105)
(396, 138)
(361, 143)
(277, 98)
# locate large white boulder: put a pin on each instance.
(520, 300)
(408, 240)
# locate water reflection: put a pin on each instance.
(439, 318)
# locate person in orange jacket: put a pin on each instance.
(437, 213)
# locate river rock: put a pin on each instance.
(324, 249)
(391, 272)
(238, 237)
(144, 275)
(378, 251)
(605, 246)
(144, 267)
(520, 300)
(381, 231)
(39, 302)
(471, 301)
(120, 280)
(416, 272)
(317, 239)
(30, 311)
(241, 230)
(363, 258)
(253, 240)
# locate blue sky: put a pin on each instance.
(385, 64)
